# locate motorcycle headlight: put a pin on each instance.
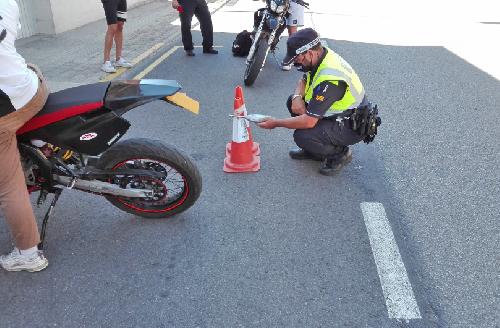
(278, 6)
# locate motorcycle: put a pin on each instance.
(271, 24)
(73, 142)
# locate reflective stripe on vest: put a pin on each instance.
(334, 68)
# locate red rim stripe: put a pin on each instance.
(170, 208)
(43, 120)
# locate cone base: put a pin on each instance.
(252, 166)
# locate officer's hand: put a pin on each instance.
(175, 4)
(268, 124)
(298, 106)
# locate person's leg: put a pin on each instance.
(108, 41)
(14, 199)
(331, 139)
(315, 140)
(110, 7)
(186, 16)
(110, 11)
(294, 20)
(121, 19)
(207, 32)
(291, 29)
(119, 40)
(328, 140)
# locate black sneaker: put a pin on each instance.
(300, 154)
(211, 51)
(331, 166)
(189, 53)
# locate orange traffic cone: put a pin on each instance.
(242, 154)
(239, 106)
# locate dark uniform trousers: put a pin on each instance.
(328, 138)
(198, 8)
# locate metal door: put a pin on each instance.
(27, 18)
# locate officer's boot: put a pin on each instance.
(332, 165)
(301, 154)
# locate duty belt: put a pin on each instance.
(340, 116)
(365, 121)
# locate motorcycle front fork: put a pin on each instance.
(272, 40)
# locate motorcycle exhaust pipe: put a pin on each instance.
(101, 187)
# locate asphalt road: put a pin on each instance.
(287, 247)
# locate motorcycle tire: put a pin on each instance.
(160, 157)
(257, 62)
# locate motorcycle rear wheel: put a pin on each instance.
(174, 193)
(255, 66)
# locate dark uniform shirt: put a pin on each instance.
(325, 94)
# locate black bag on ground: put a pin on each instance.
(242, 43)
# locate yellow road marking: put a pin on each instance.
(135, 61)
(157, 62)
(148, 69)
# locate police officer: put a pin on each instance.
(322, 103)
(198, 8)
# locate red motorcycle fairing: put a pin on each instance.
(87, 118)
(67, 103)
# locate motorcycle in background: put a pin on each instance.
(267, 35)
(78, 133)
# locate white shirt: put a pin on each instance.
(16, 80)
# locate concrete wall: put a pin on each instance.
(69, 14)
(44, 20)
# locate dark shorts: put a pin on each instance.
(115, 10)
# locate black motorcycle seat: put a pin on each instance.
(68, 103)
(78, 96)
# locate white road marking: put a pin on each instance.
(399, 297)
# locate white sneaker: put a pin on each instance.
(286, 67)
(15, 261)
(108, 67)
(122, 62)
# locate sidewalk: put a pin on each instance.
(74, 57)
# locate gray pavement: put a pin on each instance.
(251, 252)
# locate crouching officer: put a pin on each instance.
(329, 109)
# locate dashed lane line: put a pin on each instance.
(399, 298)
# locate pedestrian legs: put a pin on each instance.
(186, 17)
(207, 31)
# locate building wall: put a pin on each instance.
(69, 14)
(44, 20)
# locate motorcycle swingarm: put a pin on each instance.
(101, 187)
(95, 173)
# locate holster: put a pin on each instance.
(365, 121)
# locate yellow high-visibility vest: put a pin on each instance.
(334, 68)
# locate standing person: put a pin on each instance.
(23, 93)
(198, 8)
(116, 16)
(293, 22)
(324, 104)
